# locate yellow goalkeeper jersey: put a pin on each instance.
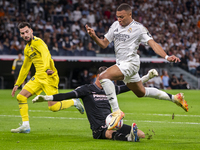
(37, 52)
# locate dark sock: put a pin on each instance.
(121, 133)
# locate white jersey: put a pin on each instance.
(127, 40)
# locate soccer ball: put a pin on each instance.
(108, 120)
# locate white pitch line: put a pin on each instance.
(169, 122)
(174, 115)
(44, 117)
(65, 118)
(50, 111)
(198, 116)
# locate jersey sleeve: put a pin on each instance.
(14, 64)
(110, 34)
(64, 96)
(82, 91)
(145, 35)
(24, 70)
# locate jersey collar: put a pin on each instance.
(97, 86)
(31, 41)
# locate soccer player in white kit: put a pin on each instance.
(127, 35)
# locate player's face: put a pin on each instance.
(124, 17)
(26, 33)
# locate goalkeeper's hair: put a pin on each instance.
(125, 7)
(23, 24)
(101, 69)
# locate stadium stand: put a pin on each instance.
(174, 24)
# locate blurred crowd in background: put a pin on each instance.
(164, 81)
(174, 24)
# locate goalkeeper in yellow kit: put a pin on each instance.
(45, 79)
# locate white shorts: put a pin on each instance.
(130, 71)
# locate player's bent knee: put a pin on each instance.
(52, 108)
(21, 98)
(104, 76)
(56, 107)
(139, 95)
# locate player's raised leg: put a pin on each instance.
(62, 104)
(158, 94)
(179, 100)
(117, 114)
(54, 105)
(106, 78)
(115, 74)
(151, 73)
(142, 91)
(78, 105)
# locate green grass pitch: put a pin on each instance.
(70, 130)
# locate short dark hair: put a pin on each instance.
(101, 69)
(19, 52)
(23, 24)
(125, 7)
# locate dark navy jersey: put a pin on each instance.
(96, 104)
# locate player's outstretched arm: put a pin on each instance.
(158, 50)
(103, 43)
(56, 97)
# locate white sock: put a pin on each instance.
(145, 78)
(109, 89)
(75, 102)
(158, 94)
(26, 123)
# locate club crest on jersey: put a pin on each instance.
(31, 49)
(130, 30)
